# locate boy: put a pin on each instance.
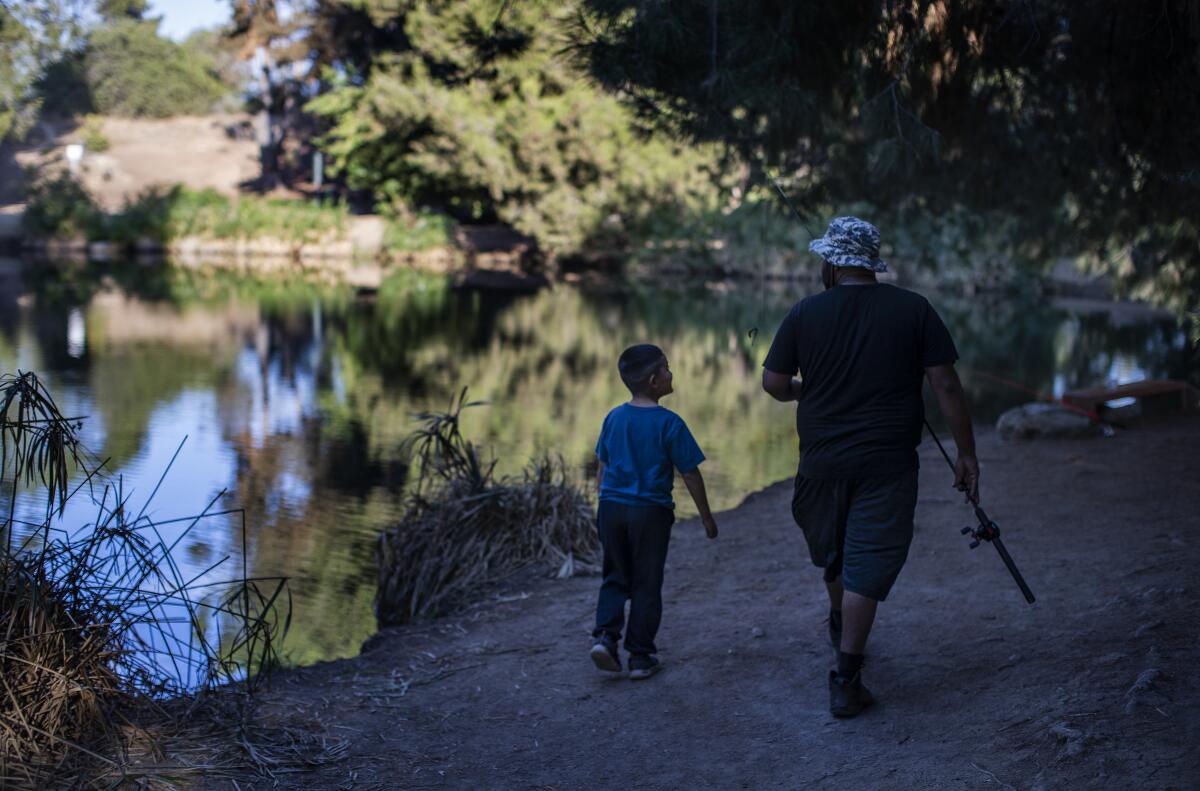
(639, 444)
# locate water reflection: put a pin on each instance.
(297, 399)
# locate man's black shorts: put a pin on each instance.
(858, 528)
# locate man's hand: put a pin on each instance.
(781, 387)
(710, 527)
(966, 476)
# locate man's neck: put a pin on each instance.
(846, 277)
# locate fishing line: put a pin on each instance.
(752, 333)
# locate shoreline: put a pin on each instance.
(1084, 689)
(365, 267)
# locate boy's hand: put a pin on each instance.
(710, 527)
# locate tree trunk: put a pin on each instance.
(266, 125)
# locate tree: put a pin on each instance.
(262, 37)
(472, 107)
(115, 10)
(131, 70)
(33, 34)
(16, 103)
(1078, 116)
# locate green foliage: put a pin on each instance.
(479, 112)
(133, 71)
(18, 102)
(213, 46)
(59, 206)
(1077, 119)
(208, 214)
(92, 134)
(122, 9)
(422, 230)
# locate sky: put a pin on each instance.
(182, 17)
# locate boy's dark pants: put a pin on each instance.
(635, 539)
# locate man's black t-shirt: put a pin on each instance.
(861, 351)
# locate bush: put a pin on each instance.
(463, 529)
(61, 207)
(421, 231)
(98, 624)
(208, 214)
(92, 134)
(131, 70)
(147, 216)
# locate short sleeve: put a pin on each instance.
(783, 358)
(601, 447)
(937, 347)
(685, 453)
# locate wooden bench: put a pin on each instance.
(1093, 398)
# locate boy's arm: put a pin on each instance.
(599, 476)
(695, 486)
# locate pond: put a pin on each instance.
(296, 399)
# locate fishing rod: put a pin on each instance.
(790, 205)
(752, 333)
(988, 530)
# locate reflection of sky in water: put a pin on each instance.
(299, 410)
(281, 403)
(203, 467)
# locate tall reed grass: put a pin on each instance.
(464, 528)
(101, 632)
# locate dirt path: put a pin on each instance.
(1093, 687)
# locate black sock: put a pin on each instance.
(835, 619)
(848, 664)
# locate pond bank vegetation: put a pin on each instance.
(464, 528)
(117, 665)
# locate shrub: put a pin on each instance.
(421, 231)
(100, 624)
(464, 529)
(92, 133)
(209, 214)
(59, 206)
(133, 71)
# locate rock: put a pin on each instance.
(1037, 420)
(1073, 740)
(1144, 691)
(757, 632)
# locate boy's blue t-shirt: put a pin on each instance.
(639, 446)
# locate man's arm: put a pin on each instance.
(781, 386)
(695, 486)
(953, 402)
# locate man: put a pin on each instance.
(862, 349)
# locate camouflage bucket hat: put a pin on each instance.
(850, 242)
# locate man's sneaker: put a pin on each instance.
(643, 666)
(848, 697)
(604, 654)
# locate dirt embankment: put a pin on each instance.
(1093, 687)
(200, 152)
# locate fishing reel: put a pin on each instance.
(986, 531)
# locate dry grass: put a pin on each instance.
(103, 640)
(464, 529)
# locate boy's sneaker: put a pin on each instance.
(604, 654)
(848, 697)
(643, 666)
